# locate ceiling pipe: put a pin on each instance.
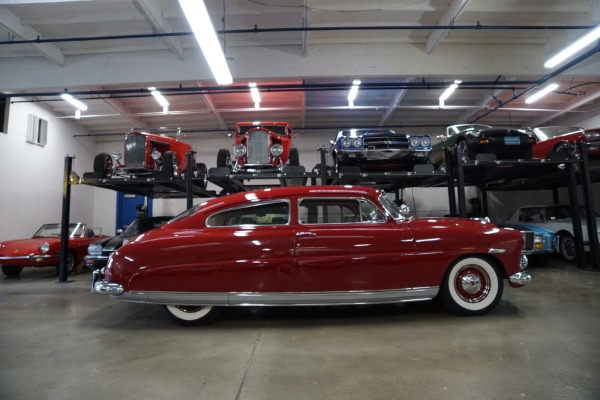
(543, 80)
(478, 27)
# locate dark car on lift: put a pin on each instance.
(99, 251)
(378, 149)
(147, 155)
(469, 140)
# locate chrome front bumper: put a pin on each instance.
(520, 278)
(101, 286)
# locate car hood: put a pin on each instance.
(25, 246)
(113, 243)
(502, 132)
(529, 227)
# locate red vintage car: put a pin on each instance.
(43, 249)
(563, 139)
(147, 154)
(312, 245)
(260, 147)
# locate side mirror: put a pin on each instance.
(119, 231)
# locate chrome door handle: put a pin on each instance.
(299, 234)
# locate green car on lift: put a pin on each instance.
(473, 139)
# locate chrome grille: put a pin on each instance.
(135, 151)
(258, 147)
(385, 142)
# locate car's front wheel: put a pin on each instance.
(171, 164)
(103, 165)
(567, 248)
(11, 271)
(472, 286)
(190, 315)
(223, 158)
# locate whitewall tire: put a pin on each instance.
(472, 286)
(189, 315)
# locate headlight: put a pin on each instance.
(94, 249)
(116, 156)
(414, 141)
(44, 248)
(538, 241)
(346, 142)
(425, 141)
(156, 155)
(277, 150)
(239, 150)
(357, 142)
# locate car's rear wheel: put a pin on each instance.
(223, 158)
(103, 165)
(567, 248)
(566, 149)
(190, 315)
(472, 286)
(11, 271)
(201, 171)
(463, 150)
(171, 164)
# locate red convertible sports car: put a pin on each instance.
(312, 245)
(563, 139)
(43, 249)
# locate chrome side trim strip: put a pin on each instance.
(283, 298)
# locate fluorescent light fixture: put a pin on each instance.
(353, 92)
(449, 91)
(199, 20)
(574, 48)
(166, 110)
(159, 97)
(541, 93)
(78, 114)
(255, 94)
(76, 103)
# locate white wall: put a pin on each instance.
(31, 177)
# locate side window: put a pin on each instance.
(338, 211)
(273, 213)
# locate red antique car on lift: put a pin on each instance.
(147, 154)
(260, 147)
(563, 139)
(43, 249)
(312, 245)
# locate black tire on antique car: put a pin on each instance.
(190, 315)
(294, 157)
(201, 173)
(223, 158)
(71, 262)
(103, 165)
(471, 286)
(463, 149)
(566, 149)
(11, 271)
(566, 247)
(171, 164)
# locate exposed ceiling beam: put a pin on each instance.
(13, 23)
(221, 124)
(153, 14)
(589, 98)
(449, 18)
(395, 102)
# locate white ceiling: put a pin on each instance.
(404, 53)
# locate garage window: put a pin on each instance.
(36, 130)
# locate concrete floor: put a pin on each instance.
(59, 341)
